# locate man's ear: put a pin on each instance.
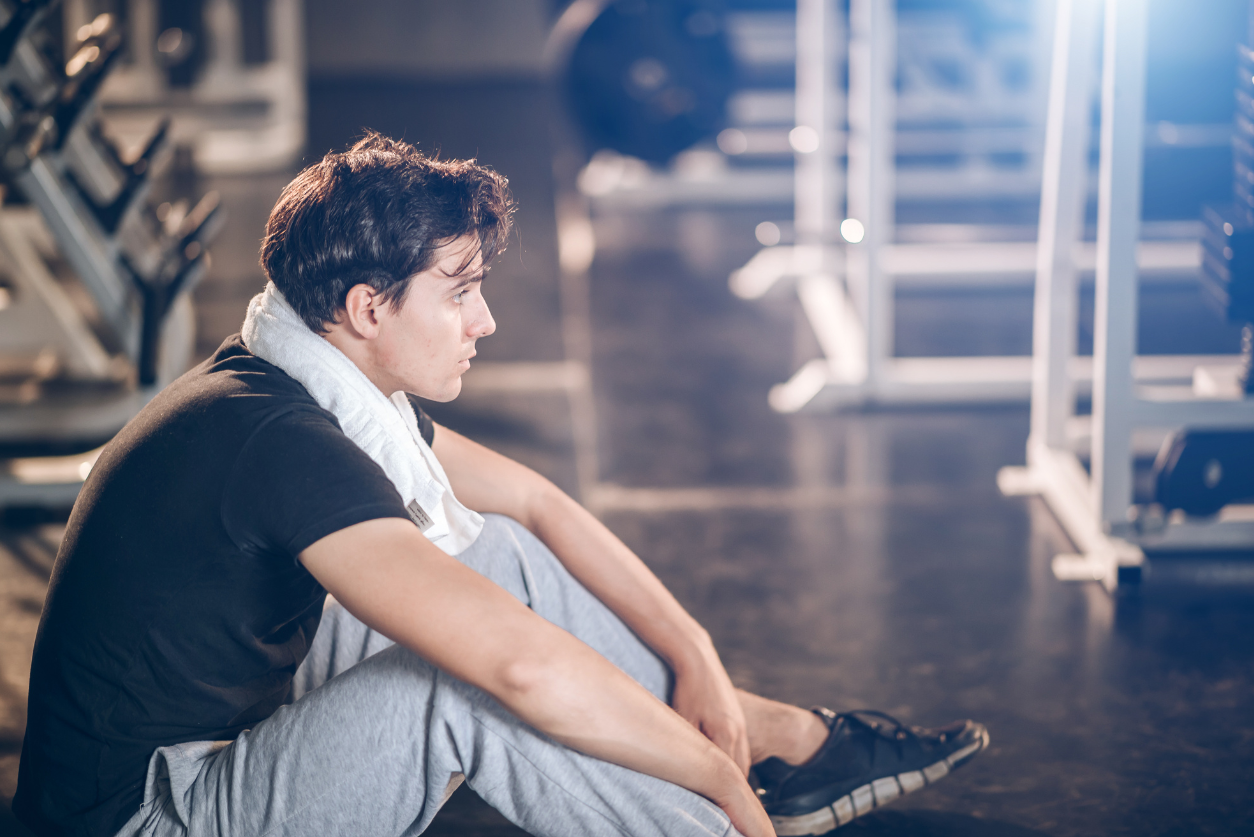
(361, 312)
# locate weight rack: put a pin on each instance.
(96, 317)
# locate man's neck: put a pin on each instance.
(358, 350)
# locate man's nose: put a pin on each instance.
(482, 325)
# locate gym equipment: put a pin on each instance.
(1228, 244)
(94, 311)
(1228, 270)
(648, 78)
(1095, 506)
(229, 73)
(1196, 471)
(1200, 472)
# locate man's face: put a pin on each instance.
(425, 345)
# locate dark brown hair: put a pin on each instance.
(376, 214)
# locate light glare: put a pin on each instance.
(851, 230)
(733, 142)
(767, 234)
(804, 139)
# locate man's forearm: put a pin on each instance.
(616, 576)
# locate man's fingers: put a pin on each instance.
(732, 741)
(738, 749)
(741, 756)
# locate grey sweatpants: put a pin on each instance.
(378, 739)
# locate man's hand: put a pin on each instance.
(704, 697)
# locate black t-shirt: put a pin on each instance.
(177, 609)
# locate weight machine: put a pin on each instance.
(229, 73)
(94, 312)
(847, 287)
(1096, 507)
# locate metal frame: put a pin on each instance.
(1096, 507)
(853, 319)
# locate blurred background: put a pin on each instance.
(769, 311)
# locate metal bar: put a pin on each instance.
(1061, 220)
(1118, 223)
(94, 263)
(988, 379)
(816, 179)
(1195, 535)
(1185, 411)
(836, 326)
(1024, 258)
(872, 194)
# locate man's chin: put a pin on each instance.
(448, 393)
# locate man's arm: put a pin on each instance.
(397, 582)
(489, 482)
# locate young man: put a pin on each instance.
(178, 685)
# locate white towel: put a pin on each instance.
(385, 428)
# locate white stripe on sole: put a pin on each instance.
(886, 790)
(863, 800)
(843, 809)
(911, 781)
(936, 772)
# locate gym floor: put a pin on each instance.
(857, 560)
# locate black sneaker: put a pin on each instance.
(868, 760)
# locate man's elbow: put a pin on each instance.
(537, 690)
(545, 502)
(522, 681)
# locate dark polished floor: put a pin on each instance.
(860, 559)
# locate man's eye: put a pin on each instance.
(457, 297)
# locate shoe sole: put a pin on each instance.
(875, 794)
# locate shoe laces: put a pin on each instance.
(893, 731)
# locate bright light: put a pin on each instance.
(576, 244)
(851, 230)
(804, 139)
(733, 142)
(81, 59)
(767, 234)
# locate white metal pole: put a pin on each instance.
(1118, 229)
(1063, 181)
(817, 180)
(872, 194)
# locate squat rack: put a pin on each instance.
(847, 290)
(1096, 506)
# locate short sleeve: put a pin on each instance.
(425, 426)
(298, 479)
